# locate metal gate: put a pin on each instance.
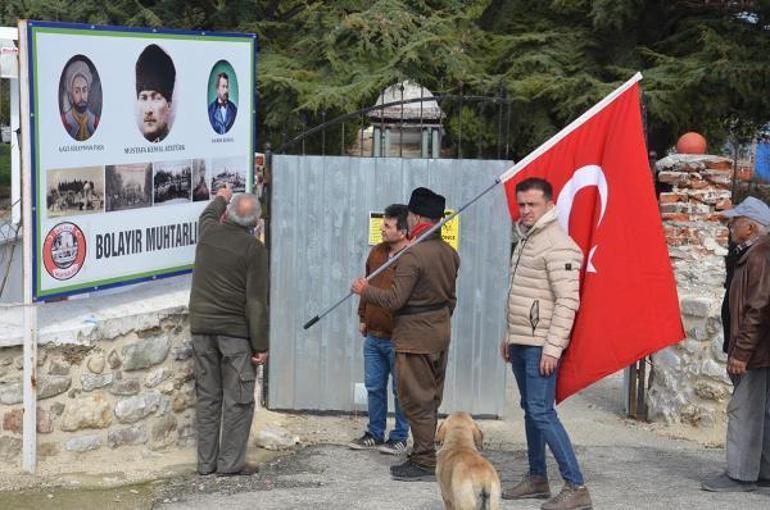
(319, 232)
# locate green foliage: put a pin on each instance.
(5, 165)
(706, 63)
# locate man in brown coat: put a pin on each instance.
(748, 351)
(422, 298)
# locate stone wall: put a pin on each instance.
(124, 382)
(689, 382)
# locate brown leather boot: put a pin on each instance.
(571, 497)
(530, 486)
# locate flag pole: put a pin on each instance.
(398, 255)
(548, 144)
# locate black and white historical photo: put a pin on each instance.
(72, 191)
(200, 180)
(128, 186)
(231, 171)
(172, 182)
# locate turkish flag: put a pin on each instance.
(606, 201)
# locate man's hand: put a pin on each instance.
(504, 352)
(547, 364)
(362, 328)
(259, 358)
(225, 192)
(736, 367)
(359, 285)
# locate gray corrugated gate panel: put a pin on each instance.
(320, 216)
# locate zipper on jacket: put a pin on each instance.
(516, 265)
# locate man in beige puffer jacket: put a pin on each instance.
(543, 299)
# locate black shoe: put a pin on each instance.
(724, 483)
(411, 472)
(763, 482)
(393, 447)
(364, 442)
(246, 470)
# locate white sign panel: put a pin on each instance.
(133, 132)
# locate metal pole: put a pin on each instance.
(401, 126)
(417, 241)
(29, 380)
(361, 143)
(15, 152)
(460, 126)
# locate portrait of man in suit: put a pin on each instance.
(222, 110)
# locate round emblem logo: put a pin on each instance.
(64, 251)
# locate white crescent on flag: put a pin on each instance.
(589, 175)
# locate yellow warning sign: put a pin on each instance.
(450, 232)
(375, 222)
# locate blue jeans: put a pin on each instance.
(379, 363)
(541, 423)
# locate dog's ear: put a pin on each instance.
(440, 434)
(478, 437)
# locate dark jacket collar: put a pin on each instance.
(759, 242)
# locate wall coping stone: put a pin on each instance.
(82, 321)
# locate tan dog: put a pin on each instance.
(467, 480)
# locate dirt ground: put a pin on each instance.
(128, 480)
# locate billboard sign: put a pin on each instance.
(132, 132)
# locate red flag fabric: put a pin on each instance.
(606, 201)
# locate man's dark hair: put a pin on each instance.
(398, 212)
(536, 183)
(223, 75)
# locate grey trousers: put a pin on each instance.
(748, 427)
(224, 382)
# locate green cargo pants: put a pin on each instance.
(224, 382)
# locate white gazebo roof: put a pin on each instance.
(429, 111)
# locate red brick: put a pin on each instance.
(723, 204)
(722, 164)
(673, 216)
(698, 184)
(668, 198)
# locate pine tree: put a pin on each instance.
(706, 63)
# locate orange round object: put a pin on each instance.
(691, 143)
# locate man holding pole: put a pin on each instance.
(422, 298)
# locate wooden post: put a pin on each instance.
(29, 381)
(632, 381)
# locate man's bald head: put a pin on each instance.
(244, 209)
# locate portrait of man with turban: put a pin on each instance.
(80, 100)
(155, 78)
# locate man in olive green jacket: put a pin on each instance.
(422, 298)
(229, 326)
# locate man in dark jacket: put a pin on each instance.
(422, 298)
(376, 324)
(229, 326)
(748, 351)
